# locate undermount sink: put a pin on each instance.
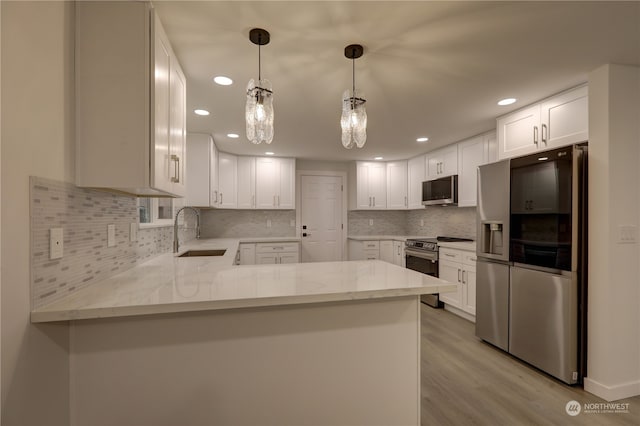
(193, 253)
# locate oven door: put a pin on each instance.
(427, 263)
(422, 261)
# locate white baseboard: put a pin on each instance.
(612, 393)
(459, 312)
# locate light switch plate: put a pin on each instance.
(268, 223)
(56, 243)
(421, 222)
(111, 235)
(370, 222)
(133, 231)
(627, 234)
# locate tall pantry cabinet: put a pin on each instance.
(130, 101)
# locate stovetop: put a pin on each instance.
(431, 244)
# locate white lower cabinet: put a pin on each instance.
(386, 251)
(247, 254)
(277, 253)
(391, 251)
(459, 267)
(398, 254)
(364, 250)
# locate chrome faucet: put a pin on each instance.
(176, 243)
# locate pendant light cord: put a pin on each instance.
(259, 59)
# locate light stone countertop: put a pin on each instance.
(462, 245)
(168, 284)
(383, 237)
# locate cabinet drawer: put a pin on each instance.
(276, 248)
(450, 255)
(371, 245)
(469, 258)
(371, 254)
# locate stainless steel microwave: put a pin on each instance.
(440, 192)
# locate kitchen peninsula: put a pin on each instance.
(201, 341)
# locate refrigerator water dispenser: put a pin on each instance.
(492, 238)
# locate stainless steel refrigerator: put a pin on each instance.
(492, 249)
(531, 284)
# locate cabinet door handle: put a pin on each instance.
(463, 281)
(278, 201)
(176, 168)
(450, 255)
(215, 200)
(459, 275)
(544, 133)
(274, 201)
(535, 135)
(374, 201)
(369, 201)
(406, 204)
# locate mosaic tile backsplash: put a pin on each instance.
(392, 222)
(444, 221)
(247, 223)
(84, 215)
(450, 221)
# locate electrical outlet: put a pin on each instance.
(627, 234)
(133, 231)
(111, 235)
(56, 243)
(422, 222)
(370, 222)
(268, 223)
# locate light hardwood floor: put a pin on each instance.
(468, 382)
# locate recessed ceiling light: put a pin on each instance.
(507, 101)
(268, 153)
(232, 135)
(201, 111)
(422, 139)
(223, 81)
(378, 158)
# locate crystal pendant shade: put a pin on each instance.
(259, 111)
(354, 119)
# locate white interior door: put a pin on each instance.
(321, 214)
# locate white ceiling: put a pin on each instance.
(431, 69)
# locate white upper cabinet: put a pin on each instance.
(397, 185)
(442, 162)
(130, 95)
(472, 153)
(558, 121)
(415, 177)
(564, 119)
(202, 173)
(275, 183)
(227, 181)
(246, 182)
(370, 186)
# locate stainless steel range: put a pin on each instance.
(421, 255)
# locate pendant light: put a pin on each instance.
(259, 109)
(354, 115)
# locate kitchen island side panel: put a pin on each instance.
(354, 362)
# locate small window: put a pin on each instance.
(155, 211)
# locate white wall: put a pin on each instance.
(614, 297)
(37, 139)
(322, 166)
